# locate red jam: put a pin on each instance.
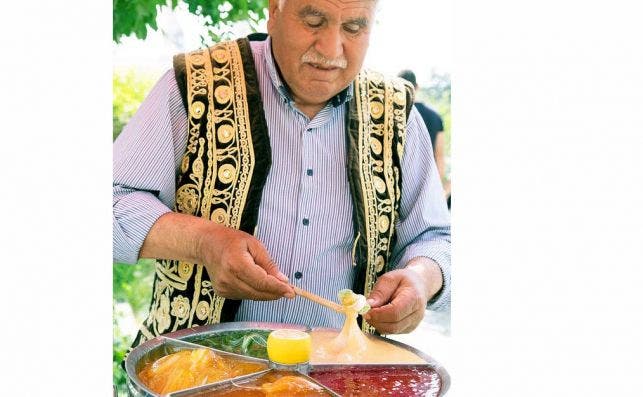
(404, 381)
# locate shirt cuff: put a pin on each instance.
(133, 217)
(440, 252)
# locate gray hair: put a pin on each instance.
(280, 4)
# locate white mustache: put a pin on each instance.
(314, 57)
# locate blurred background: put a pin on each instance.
(147, 33)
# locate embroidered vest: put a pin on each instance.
(226, 163)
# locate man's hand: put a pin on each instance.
(240, 267)
(238, 264)
(399, 297)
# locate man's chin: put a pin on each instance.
(319, 96)
(325, 87)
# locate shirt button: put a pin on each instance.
(298, 275)
(309, 172)
(305, 221)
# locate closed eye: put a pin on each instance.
(312, 17)
(314, 21)
(355, 26)
(352, 28)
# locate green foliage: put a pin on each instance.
(121, 343)
(136, 16)
(132, 284)
(129, 90)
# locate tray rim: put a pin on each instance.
(134, 383)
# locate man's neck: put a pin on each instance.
(308, 109)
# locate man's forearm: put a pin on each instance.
(176, 236)
(237, 264)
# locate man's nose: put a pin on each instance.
(329, 43)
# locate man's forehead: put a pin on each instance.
(343, 5)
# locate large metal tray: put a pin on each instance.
(168, 343)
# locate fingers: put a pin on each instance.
(383, 290)
(397, 303)
(244, 270)
(239, 289)
(405, 325)
(399, 308)
(263, 259)
(401, 315)
(262, 282)
(266, 266)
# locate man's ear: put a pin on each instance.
(273, 9)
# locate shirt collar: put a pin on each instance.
(341, 98)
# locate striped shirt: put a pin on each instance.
(305, 216)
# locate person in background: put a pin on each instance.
(269, 162)
(435, 126)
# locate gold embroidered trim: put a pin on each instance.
(354, 248)
(216, 172)
(381, 112)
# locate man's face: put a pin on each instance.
(319, 45)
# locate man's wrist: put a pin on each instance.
(429, 272)
(204, 241)
(178, 236)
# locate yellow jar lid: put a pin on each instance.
(289, 346)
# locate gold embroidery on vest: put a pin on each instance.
(196, 294)
(386, 210)
(215, 176)
(354, 248)
(364, 106)
(379, 118)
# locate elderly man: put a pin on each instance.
(284, 165)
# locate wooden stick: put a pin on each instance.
(318, 299)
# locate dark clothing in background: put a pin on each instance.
(434, 124)
(432, 120)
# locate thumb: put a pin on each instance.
(382, 291)
(262, 258)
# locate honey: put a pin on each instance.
(190, 368)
